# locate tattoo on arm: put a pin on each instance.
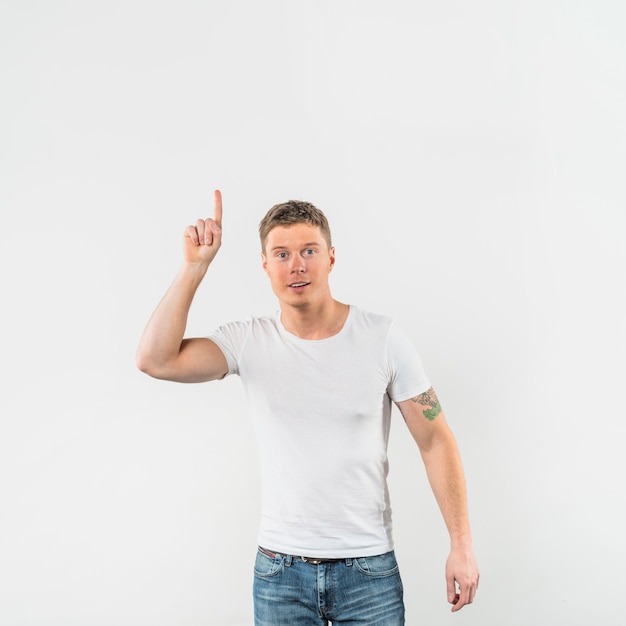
(429, 399)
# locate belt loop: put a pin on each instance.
(288, 559)
(348, 562)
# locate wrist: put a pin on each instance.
(193, 271)
(461, 541)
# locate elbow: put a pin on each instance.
(156, 368)
(146, 365)
(143, 365)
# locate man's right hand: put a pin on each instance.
(202, 241)
(163, 351)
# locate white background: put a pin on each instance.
(470, 156)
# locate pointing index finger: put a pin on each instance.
(218, 207)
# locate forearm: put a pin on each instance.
(447, 480)
(163, 336)
(445, 473)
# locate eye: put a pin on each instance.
(282, 255)
(309, 252)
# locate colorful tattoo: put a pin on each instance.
(431, 414)
(429, 398)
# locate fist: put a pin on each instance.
(202, 240)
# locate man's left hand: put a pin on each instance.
(461, 577)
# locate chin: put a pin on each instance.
(296, 303)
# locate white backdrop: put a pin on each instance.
(470, 156)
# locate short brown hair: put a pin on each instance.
(294, 212)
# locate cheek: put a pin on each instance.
(274, 272)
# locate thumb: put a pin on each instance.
(451, 587)
(216, 231)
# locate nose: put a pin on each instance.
(297, 264)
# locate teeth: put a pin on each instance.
(299, 284)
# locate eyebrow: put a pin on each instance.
(312, 244)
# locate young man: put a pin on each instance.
(320, 376)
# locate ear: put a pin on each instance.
(331, 254)
(264, 263)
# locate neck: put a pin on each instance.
(315, 322)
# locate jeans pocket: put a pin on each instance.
(266, 566)
(380, 565)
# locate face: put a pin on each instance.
(298, 261)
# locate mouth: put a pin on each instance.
(298, 285)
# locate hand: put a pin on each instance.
(202, 241)
(461, 570)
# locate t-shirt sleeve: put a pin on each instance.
(408, 377)
(231, 339)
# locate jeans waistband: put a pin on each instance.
(306, 559)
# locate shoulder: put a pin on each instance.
(253, 321)
(382, 327)
(236, 337)
(368, 319)
(244, 327)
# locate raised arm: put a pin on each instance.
(437, 445)
(163, 351)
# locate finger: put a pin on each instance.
(473, 590)
(465, 596)
(192, 233)
(451, 589)
(205, 232)
(216, 231)
(463, 599)
(218, 207)
(208, 232)
(472, 595)
(456, 603)
(200, 227)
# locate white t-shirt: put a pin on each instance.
(322, 410)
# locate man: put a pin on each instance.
(320, 376)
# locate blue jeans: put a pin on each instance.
(364, 591)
